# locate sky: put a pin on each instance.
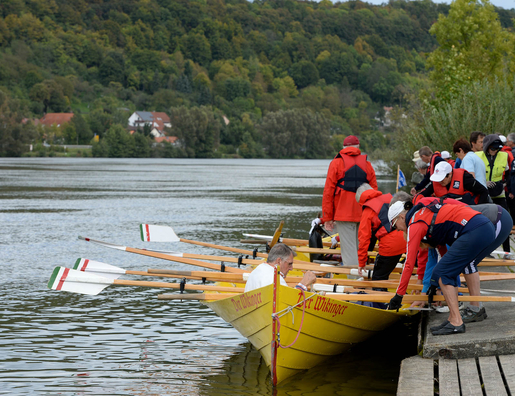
(508, 4)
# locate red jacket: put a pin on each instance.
(419, 227)
(337, 203)
(390, 243)
(507, 149)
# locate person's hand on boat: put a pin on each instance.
(308, 279)
(360, 270)
(329, 225)
(413, 191)
(418, 304)
(395, 302)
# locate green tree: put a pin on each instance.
(472, 46)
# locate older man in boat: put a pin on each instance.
(471, 237)
(374, 221)
(280, 256)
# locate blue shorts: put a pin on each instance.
(502, 231)
(471, 245)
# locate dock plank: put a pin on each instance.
(508, 368)
(448, 377)
(469, 377)
(491, 375)
(416, 377)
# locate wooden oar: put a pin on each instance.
(113, 272)
(286, 241)
(88, 283)
(385, 298)
(165, 256)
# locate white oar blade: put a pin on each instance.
(102, 269)
(331, 288)
(77, 281)
(258, 236)
(155, 233)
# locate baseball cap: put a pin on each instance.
(445, 154)
(351, 141)
(441, 170)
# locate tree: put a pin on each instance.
(304, 73)
(295, 133)
(473, 46)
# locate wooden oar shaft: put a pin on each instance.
(226, 248)
(182, 260)
(218, 276)
(123, 282)
(303, 265)
(221, 258)
(196, 296)
(344, 297)
(418, 297)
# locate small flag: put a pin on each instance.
(402, 179)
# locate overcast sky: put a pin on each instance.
(508, 4)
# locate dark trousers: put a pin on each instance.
(502, 202)
(383, 267)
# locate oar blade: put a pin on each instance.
(155, 233)
(74, 281)
(91, 266)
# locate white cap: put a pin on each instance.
(416, 156)
(395, 210)
(445, 154)
(503, 138)
(441, 170)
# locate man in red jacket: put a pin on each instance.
(347, 171)
(374, 220)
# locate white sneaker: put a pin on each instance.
(445, 308)
(508, 256)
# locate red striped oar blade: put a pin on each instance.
(155, 233)
(74, 281)
(106, 270)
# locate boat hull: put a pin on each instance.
(329, 326)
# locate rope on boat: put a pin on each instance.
(287, 310)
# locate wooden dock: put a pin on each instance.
(487, 375)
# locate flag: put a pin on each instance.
(402, 179)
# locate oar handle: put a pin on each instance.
(197, 296)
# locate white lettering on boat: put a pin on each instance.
(324, 304)
(246, 301)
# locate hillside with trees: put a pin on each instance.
(278, 78)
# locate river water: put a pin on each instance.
(124, 341)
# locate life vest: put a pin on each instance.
(355, 172)
(380, 206)
(495, 172)
(445, 222)
(456, 189)
(432, 163)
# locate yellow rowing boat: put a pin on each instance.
(274, 316)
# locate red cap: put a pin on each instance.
(351, 141)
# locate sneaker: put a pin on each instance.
(440, 326)
(450, 329)
(470, 316)
(508, 256)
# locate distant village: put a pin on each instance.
(158, 122)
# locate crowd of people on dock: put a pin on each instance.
(458, 213)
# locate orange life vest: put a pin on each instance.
(456, 189)
(445, 222)
(380, 206)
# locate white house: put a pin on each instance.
(158, 121)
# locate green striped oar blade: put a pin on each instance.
(155, 233)
(74, 281)
(91, 266)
